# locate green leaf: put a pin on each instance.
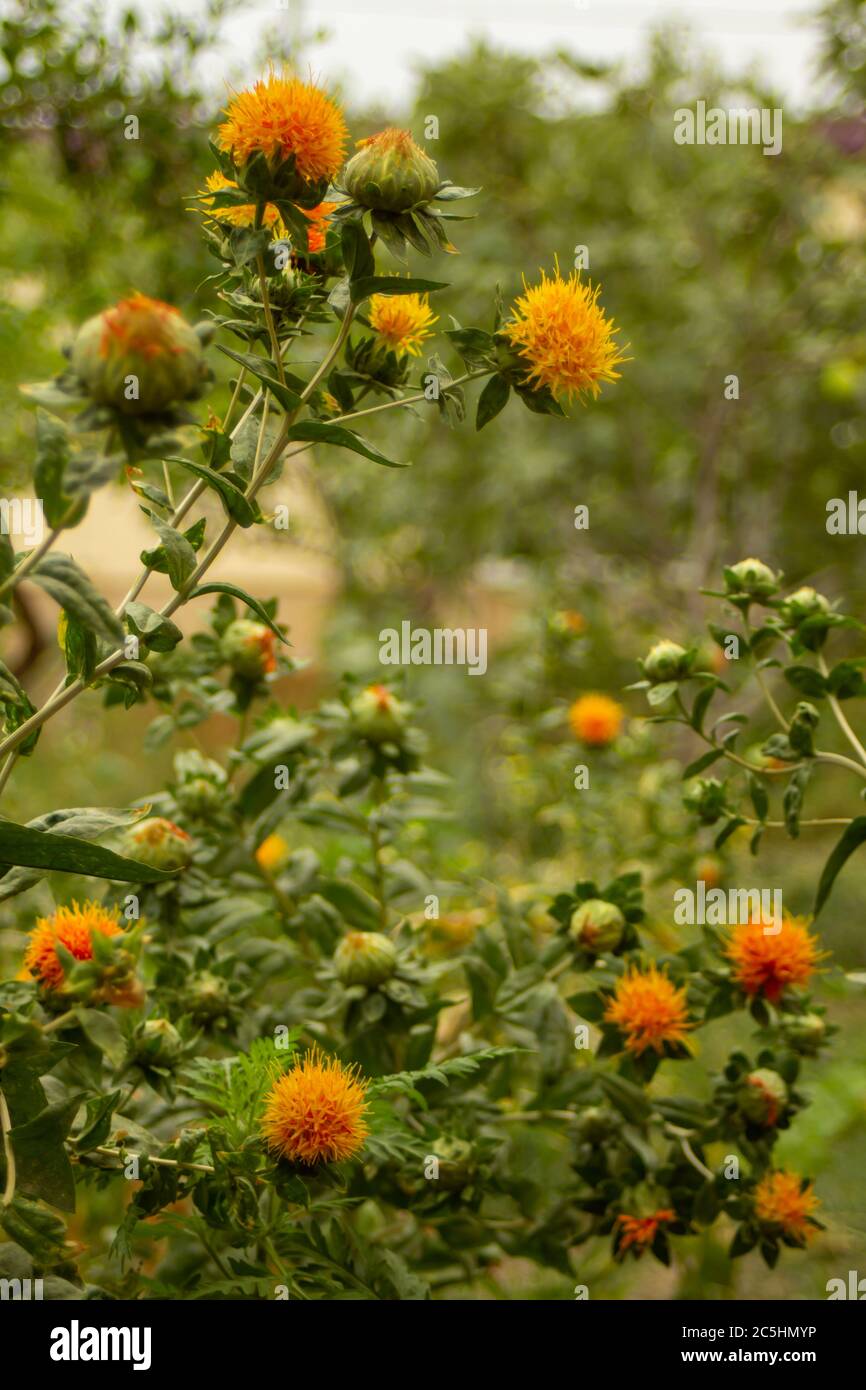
(354, 905)
(69, 586)
(42, 1164)
(851, 839)
(97, 1123)
(701, 705)
(758, 793)
(727, 831)
(588, 1005)
(493, 398)
(705, 760)
(629, 1099)
(806, 679)
(39, 1232)
(792, 801)
(219, 587)
(391, 284)
(846, 681)
(320, 432)
(159, 634)
(20, 845)
(174, 557)
(358, 256)
(85, 822)
(52, 458)
(286, 395)
(659, 694)
(244, 512)
(475, 346)
(17, 708)
(454, 1069)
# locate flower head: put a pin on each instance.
(315, 1112)
(766, 960)
(785, 1201)
(72, 927)
(649, 1009)
(562, 337)
(142, 341)
(596, 719)
(402, 320)
(639, 1232)
(272, 853)
(282, 117)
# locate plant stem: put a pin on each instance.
(841, 718)
(269, 319)
(32, 558)
(6, 1125)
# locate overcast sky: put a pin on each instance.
(375, 46)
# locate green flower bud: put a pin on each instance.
(706, 798)
(597, 926)
(666, 661)
(753, 578)
(158, 843)
(803, 603)
(365, 958)
(376, 358)
(595, 1124)
(390, 173)
(141, 356)
(762, 1097)
(457, 1163)
(156, 1043)
(207, 997)
(804, 1032)
(248, 647)
(378, 715)
(200, 784)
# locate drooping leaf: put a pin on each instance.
(68, 585)
(22, 846)
(851, 839)
(320, 432)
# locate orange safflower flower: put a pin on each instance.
(402, 320)
(73, 927)
(649, 1009)
(563, 336)
(596, 719)
(639, 1232)
(315, 1112)
(766, 962)
(782, 1199)
(280, 117)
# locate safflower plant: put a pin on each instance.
(307, 1086)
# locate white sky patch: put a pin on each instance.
(376, 48)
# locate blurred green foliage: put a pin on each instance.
(714, 261)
